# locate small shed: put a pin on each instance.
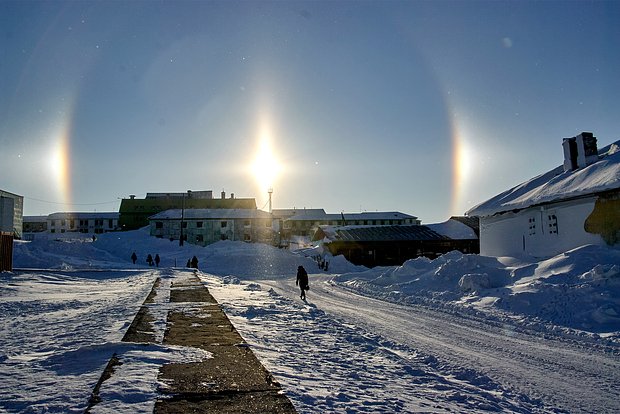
(389, 245)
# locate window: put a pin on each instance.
(159, 224)
(199, 224)
(553, 223)
(247, 238)
(224, 224)
(246, 223)
(224, 237)
(199, 238)
(184, 224)
(532, 226)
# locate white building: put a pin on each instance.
(575, 204)
(205, 226)
(306, 222)
(93, 223)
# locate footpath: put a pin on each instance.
(233, 381)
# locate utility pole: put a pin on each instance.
(270, 191)
(182, 217)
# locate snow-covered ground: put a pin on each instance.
(462, 333)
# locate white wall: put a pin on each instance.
(532, 231)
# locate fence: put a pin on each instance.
(6, 252)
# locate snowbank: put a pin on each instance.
(579, 289)
(113, 251)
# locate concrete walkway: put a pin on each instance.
(233, 381)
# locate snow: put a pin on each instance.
(556, 185)
(461, 333)
(453, 229)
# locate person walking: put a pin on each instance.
(134, 257)
(149, 259)
(157, 260)
(195, 262)
(302, 281)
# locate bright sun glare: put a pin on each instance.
(265, 167)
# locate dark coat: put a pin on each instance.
(302, 278)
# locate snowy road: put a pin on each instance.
(554, 373)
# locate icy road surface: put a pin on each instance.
(342, 352)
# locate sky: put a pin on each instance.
(428, 108)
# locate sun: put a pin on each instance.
(265, 167)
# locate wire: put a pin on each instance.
(69, 204)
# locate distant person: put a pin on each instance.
(157, 260)
(134, 257)
(195, 262)
(149, 259)
(302, 281)
(189, 263)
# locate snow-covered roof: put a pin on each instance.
(379, 233)
(558, 185)
(211, 214)
(289, 212)
(321, 215)
(35, 219)
(454, 229)
(83, 216)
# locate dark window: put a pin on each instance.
(199, 225)
(553, 224)
(159, 225)
(532, 226)
(224, 224)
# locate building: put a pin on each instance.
(390, 245)
(11, 213)
(575, 204)
(205, 226)
(135, 212)
(35, 224)
(92, 223)
(304, 222)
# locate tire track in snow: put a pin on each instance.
(327, 365)
(565, 375)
